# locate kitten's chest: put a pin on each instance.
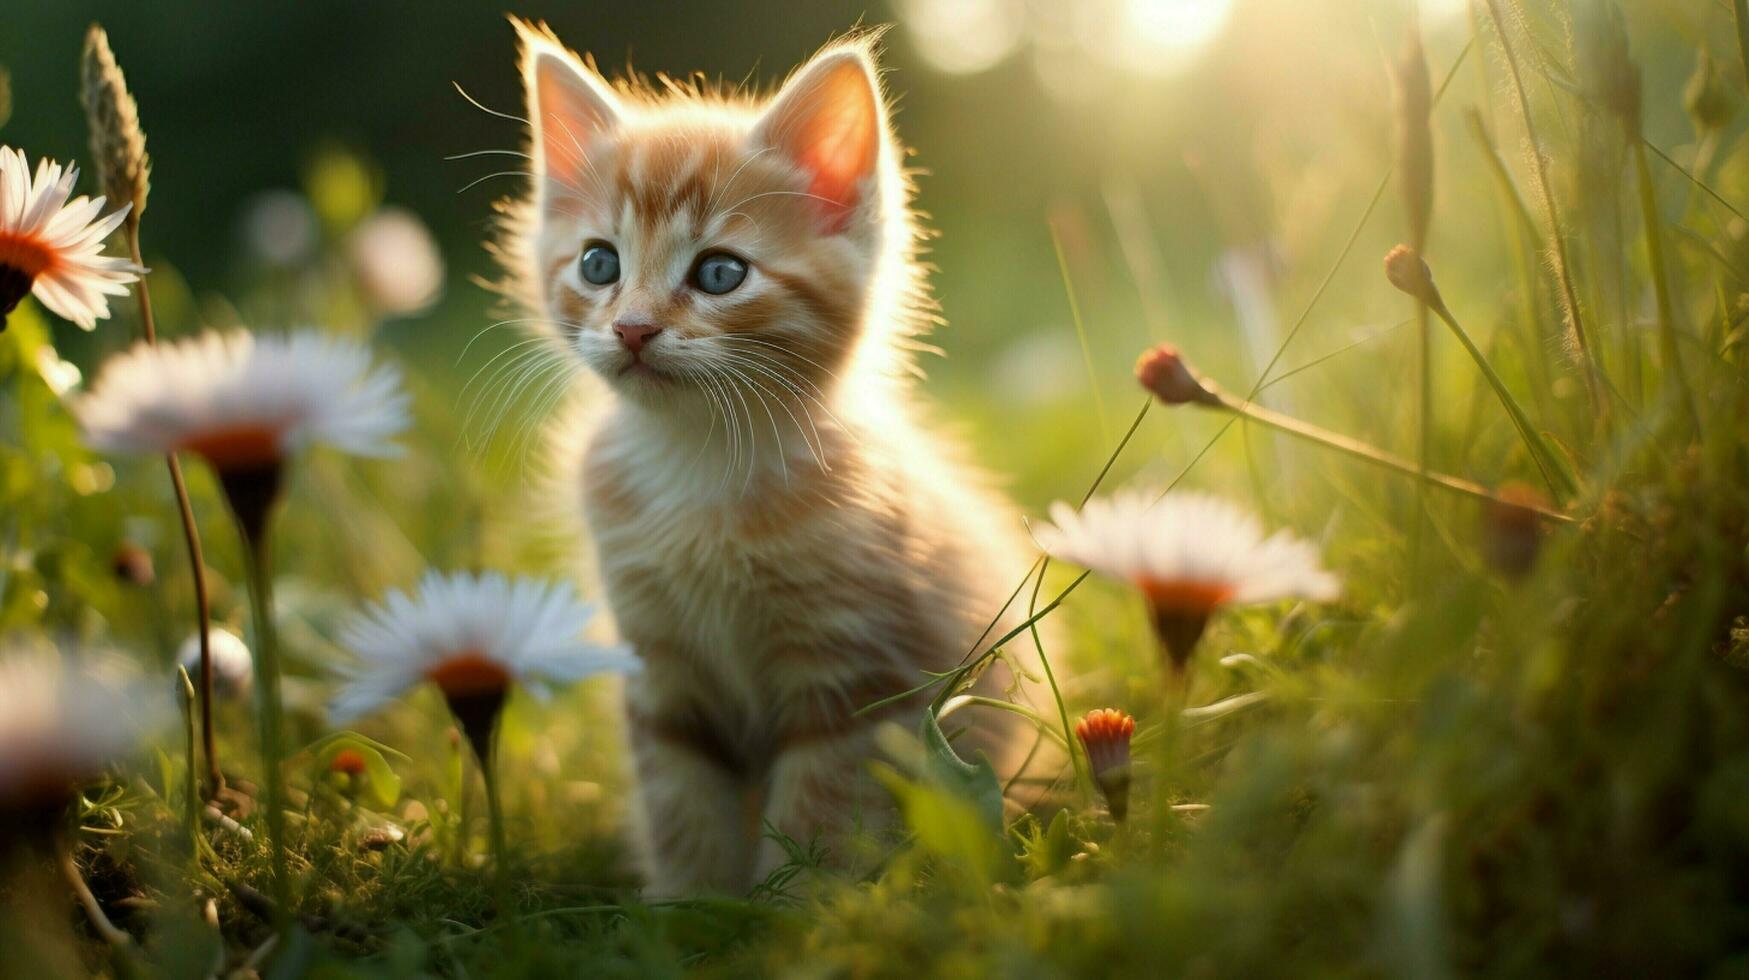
(716, 579)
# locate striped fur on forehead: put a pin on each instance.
(683, 164)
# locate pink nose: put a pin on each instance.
(635, 335)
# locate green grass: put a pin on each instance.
(1461, 771)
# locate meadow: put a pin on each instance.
(1457, 295)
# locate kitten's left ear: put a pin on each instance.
(827, 120)
(569, 104)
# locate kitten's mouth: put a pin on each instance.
(639, 368)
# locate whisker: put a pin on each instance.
(490, 112)
(486, 153)
(783, 404)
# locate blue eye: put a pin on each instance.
(718, 273)
(600, 265)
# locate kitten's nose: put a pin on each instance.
(635, 335)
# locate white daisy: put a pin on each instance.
(53, 247)
(59, 727)
(1189, 554)
(245, 401)
(472, 636)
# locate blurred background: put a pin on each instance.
(1201, 162)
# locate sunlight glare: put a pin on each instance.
(1159, 36)
(963, 37)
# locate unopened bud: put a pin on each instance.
(1407, 271)
(1105, 733)
(1162, 370)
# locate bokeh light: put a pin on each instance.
(964, 36)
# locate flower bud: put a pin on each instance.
(1162, 370)
(1407, 271)
(1105, 733)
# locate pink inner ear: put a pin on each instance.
(833, 132)
(570, 116)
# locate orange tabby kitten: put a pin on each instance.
(778, 536)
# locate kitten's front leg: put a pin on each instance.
(820, 783)
(694, 820)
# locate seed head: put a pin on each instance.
(1414, 99)
(118, 145)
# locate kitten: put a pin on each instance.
(779, 537)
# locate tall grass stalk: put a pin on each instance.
(118, 146)
(1408, 272)
(1740, 15)
(1582, 349)
(1081, 333)
(1676, 382)
(1526, 243)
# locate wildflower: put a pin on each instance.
(245, 403)
(59, 728)
(1163, 371)
(117, 142)
(472, 636)
(233, 665)
(1189, 554)
(52, 247)
(1105, 734)
(396, 262)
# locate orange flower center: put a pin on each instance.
(469, 673)
(349, 761)
(26, 254)
(1186, 596)
(237, 447)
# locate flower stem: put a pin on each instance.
(1372, 454)
(215, 780)
(1551, 464)
(1424, 434)
(269, 714)
(495, 827)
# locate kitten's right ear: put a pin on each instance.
(569, 104)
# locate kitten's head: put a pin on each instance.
(677, 239)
